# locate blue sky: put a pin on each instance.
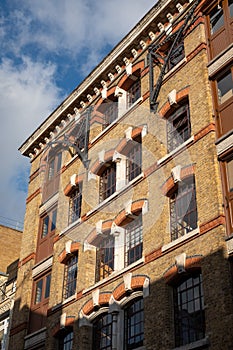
(47, 47)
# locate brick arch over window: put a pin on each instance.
(180, 95)
(137, 282)
(125, 80)
(169, 184)
(64, 256)
(110, 92)
(67, 322)
(89, 307)
(191, 263)
(93, 236)
(69, 187)
(98, 166)
(134, 134)
(136, 206)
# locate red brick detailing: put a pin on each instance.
(104, 298)
(33, 195)
(97, 117)
(25, 260)
(119, 292)
(56, 238)
(155, 254)
(136, 283)
(79, 295)
(191, 262)
(96, 167)
(203, 132)
(169, 183)
(68, 323)
(179, 96)
(220, 220)
(69, 187)
(136, 206)
(110, 92)
(192, 54)
(34, 175)
(64, 255)
(56, 329)
(121, 145)
(140, 65)
(150, 170)
(18, 328)
(106, 226)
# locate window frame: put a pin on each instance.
(188, 293)
(178, 200)
(70, 276)
(134, 159)
(134, 92)
(105, 256)
(133, 241)
(98, 331)
(128, 324)
(75, 204)
(66, 337)
(107, 181)
(45, 289)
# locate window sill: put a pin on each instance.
(180, 239)
(175, 68)
(195, 345)
(176, 150)
(113, 275)
(115, 194)
(75, 223)
(65, 301)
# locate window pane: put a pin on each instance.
(133, 241)
(216, 18)
(134, 325)
(230, 175)
(105, 257)
(45, 226)
(230, 5)
(38, 295)
(108, 182)
(59, 158)
(134, 163)
(66, 341)
(102, 333)
(51, 169)
(70, 279)
(189, 315)
(54, 219)
(134, 92)
(225, 87)
(47, 286)
(75, 204)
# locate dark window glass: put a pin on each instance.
(183, 209)
(230, 5)
(216, 18)
(102, 333)
(110, 113)
(225, 87)
(47, 286)
(133, 241)
(189, 310)
(75, 204)
(66, 340)
(134, 92)
(176, 56)
(38, 294)
(178, 127)
(45, 226)
(59, 158)
(105, 257)
(51, 169)
(134, 161)
(70, 280)
(134, 325)
(108, 181)
(54, 220)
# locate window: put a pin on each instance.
(105, 257)
(134, 160)
(75, 204)
(134, 92)
(66, 340)
(216, 18)
(176, 56)
(108, 181)
(110, 112)
(189, 316)
(225, 87)
(178, 126)
(183, 209)
(134, 325)
(133, 241)
(230, 175)
(49, 223)
(70, 278)
(52, 176)
(102, 332)
(42, 289)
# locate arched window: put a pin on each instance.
(108, 181)
(70, 277)
(102, 332)
(183, 208)
(134, 324)
(189, 316)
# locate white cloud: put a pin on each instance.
(28, 95)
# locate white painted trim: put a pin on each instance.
(180, 239)
(177, 149)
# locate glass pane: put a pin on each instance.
(225, 87)
(45, 226)
(51, 169)
(230, 175)
(230, 5)
(216, 18)
(59, 157)
(38, 295)
(54, 219)
(47, 286)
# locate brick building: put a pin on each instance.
(10, 243)
(127, 236)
